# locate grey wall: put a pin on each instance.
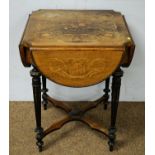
(133, 80)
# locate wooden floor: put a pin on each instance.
(75, 138)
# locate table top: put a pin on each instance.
(76, 48)
(46, 28)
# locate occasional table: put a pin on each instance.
(76, 49)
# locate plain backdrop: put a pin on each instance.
(133, 82)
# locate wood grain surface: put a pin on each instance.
(77, 68)
(76, 48)
(59, 27)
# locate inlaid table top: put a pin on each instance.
(76, 48)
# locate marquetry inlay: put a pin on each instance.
(72, 27)
(77, 68)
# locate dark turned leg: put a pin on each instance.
(44, 90)
(37, 105)
(106, 90)
(116, 83)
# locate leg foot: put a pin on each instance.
(112, 138)
(40, 145)
(39, 138)
(111, 148)
(44, 103)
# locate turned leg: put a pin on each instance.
(44, 95)
(116, 83)
(106, 91)
(37, 105)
